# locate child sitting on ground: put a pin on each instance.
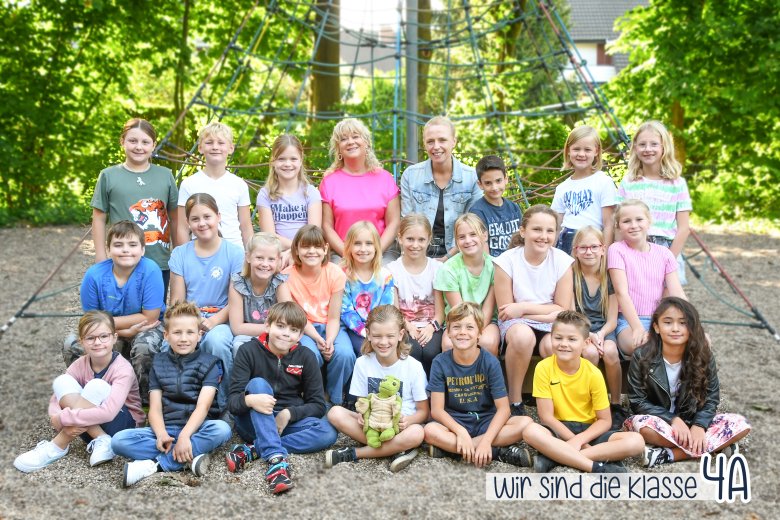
(469, 403)
(571, 399)
(184, 425)
(277, 399)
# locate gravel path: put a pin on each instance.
(749, 374)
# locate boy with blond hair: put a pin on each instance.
(571, 399)
(469, 403)
(215, 143)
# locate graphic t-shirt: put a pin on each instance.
(145, 198)
(580, 200)
(470, 389)
(361, 297)
(501, 222)
(415, 291)
(290, 212)
(369, 373)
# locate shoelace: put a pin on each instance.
(91, 445)
(276, 469)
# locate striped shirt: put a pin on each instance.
(645, 273)
(665, 198)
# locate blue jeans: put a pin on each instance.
(308, 435)
(339, 368)
(565, 240)
(123, 421)
(141, 443)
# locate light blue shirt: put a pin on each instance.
(419, 194)
(207, 278)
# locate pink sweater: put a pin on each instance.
(124, 391)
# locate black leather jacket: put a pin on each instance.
(654, 396)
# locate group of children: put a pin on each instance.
(268, 334)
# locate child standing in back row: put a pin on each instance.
(500, 215)
(215, 143)
(653, 177)
(587, 198)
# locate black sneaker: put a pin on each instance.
(609, 467)
(400, 460)
(239, 456)
(333, 457)
(619, 416)
(654, 457)
(544, 464)
(278, 475)
(517, 409)
(731, 449)
(515, 455)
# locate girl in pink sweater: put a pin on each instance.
(96, 397)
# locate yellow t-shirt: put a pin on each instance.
(575, 397)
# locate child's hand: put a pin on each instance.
(681, 432)
(208, 324)
(464, 445)
(360, 420)
(598, 342)
(575, 442)
(483, 455)
(510, 311)
(698, 438)
(262, 403)
(286, 260)
(424, 334)
(55, 422)
(143, 326)
(282, 420)
(403, 423)
(182, 451)
(639, 336)
(164, 443)
(327, 350)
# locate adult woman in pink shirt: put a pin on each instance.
(356, 187)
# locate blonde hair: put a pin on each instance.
(517, 239)
(308, 235)
(574, 318)
(465, 309)
(628, 204)
(415, 219)
(441, 121)
(473, 221)
(577, 270)
(93, 319)
(215, 129)
(258, 240)
(349, 242)
(576, 135)
(280, 144)
(347, 127)
(384, 314)
(182, 310)
(670, 166)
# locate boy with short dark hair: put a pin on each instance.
(571, 399)
(184, 425)
(277, 398)
(469, 403)
(130, 287)
(501, 216)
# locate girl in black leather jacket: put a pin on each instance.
(674, 389)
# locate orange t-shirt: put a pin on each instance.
(315, 297)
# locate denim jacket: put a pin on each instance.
(419, 194)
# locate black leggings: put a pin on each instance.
(431, 350)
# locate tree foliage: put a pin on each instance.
(709, 70)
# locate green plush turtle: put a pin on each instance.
(381, 412)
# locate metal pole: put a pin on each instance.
(411, 80)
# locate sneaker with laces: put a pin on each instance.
(517, 409)
(515, 455)
(333, 457)
(654, 457)
(543, 464)
(609, 467)
(100, 450)
(44, 453)
(239, 456)
(403, 459)
(138, 470)
(278, 475)
(200, 464)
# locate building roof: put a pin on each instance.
(594, 20)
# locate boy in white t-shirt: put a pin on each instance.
(215, 142)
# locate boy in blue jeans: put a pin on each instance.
(469, 403)
(277, 399)
(130, 287)
(184, 425)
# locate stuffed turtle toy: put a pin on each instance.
(381, 412)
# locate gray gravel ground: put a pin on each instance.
(429, 488)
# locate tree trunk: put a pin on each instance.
(179, 136)
(678, 125)
(325, 86)
(424, 52)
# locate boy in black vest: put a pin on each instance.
(277, 399)
(183, 410)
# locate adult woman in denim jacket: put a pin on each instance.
(441, 188)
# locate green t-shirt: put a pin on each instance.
(143, 198)
(455, 276)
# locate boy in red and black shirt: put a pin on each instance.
(277, 398)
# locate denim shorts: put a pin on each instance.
(622, 323)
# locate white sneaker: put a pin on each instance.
(138, 470)
(100, 449)
(200, 464)
(39, 457)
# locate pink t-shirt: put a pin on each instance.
(314, 297)
(645, 273)
(358, 197)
